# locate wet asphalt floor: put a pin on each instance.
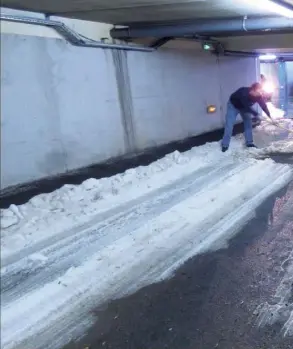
(211, 302)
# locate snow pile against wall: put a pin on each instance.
(82, 246)
(51, 214)
(65, 107)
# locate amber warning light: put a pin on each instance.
(211, 109)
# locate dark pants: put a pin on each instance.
(231, 116)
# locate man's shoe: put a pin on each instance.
(224, 148)
(256, 121)
(251, 145)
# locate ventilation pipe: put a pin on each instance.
(70, 35)
(206, 27)
(240, 53)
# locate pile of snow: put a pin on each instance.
(278, 307)
(280, 147)
(281, 311)
(275, 130)
(65, 253)
(50, 214)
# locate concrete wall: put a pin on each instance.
(171, 90)
(289, 67)
(92, 30)
(65, 107)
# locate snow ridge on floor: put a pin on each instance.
(282, 310)
(279, 308)
(275, 135)
(67, 252)
(73, 205)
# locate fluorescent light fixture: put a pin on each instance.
(275, 6)
(268, 57)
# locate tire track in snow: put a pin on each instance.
(106, 216)
(152, 251)
(26, 274)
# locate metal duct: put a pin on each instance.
(70, 35)
(285, 54)
(240, 53)
(281, 57)
(206, 27)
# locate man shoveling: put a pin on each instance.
(241, 102)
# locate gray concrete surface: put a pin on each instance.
(214, 300)
(289, 66)
(130, 11)
(65, 107)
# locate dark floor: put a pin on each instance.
(211, 302)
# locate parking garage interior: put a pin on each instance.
(123, 226)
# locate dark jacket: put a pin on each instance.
(243, 101)
(267, 97)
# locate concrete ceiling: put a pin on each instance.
(272, 43)
(127, 12)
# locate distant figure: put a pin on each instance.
(241, 102)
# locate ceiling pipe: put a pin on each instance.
(71, 36)
(240, 53)
(160, 42)
(281, 57)
(205, 27)
(285, 54)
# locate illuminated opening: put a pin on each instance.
(267, 57)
